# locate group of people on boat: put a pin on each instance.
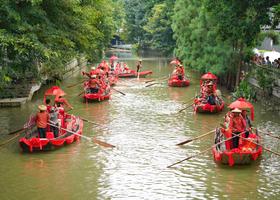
(98, 81)
(179, 72)
(51, 117)
(237, 123)
(209, 93)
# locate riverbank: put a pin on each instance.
(19, 93)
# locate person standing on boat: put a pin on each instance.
(93, 85)
(54, 121)
(248, 122)
(42, 119)
(180, 72)
(48, 104)
(138, 67)
(209, 94)
(237, 125)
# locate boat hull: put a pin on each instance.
(207, 108)
(243, 155)
(96, 97)
(174, 82)
(35, 144)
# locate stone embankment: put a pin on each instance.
(23, 91)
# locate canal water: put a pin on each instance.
(145, 126)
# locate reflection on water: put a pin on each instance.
(145, 126)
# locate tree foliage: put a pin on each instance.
(148, 23)
(51, 32)
(216, 35)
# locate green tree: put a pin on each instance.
(216, 35)
(158, 28)
(51, 32)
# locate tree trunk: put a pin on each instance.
(240, 57)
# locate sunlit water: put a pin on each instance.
(145, 126)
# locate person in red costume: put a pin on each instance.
(180, 72)
(237, 125)
(42, 119)
(93, 84)
(62, 101)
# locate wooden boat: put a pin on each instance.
(246, 153)
(204, 107)
(175, 82)
(100, 96)
(133, 74)
(31, 142)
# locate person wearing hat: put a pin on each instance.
(92, 71)
(180, 72)
(42, 119)
(209, 94)
(93, 84)
(237, 125)
(54, 121)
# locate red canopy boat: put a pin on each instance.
(246, 153)
(210, 100)
(101, 95)
(133, 74)
(174, 81)
(72, 129)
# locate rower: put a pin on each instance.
(248, 122)
(237, 125)
(209, 93)
(180, 72)
(48, 104)
(42, 119)
(138, 66)
(93, 85)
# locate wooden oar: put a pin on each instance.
(185, 108)
(196, 138)
(269, 134)
(151, 84)
(269, 150)
(118, 91)
(188, 101)
(11, 133)
(80, 93)
(101, 143)
(155, 79)
(201, 152)
(69, 86)
(10, 139)
(86, 120)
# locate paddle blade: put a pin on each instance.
(185, 142)
(104, 144)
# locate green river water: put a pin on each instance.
(144, 126)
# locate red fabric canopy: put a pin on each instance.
(209, 75)
(55, 91)
(242, 104)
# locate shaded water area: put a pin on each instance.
(145, 126)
